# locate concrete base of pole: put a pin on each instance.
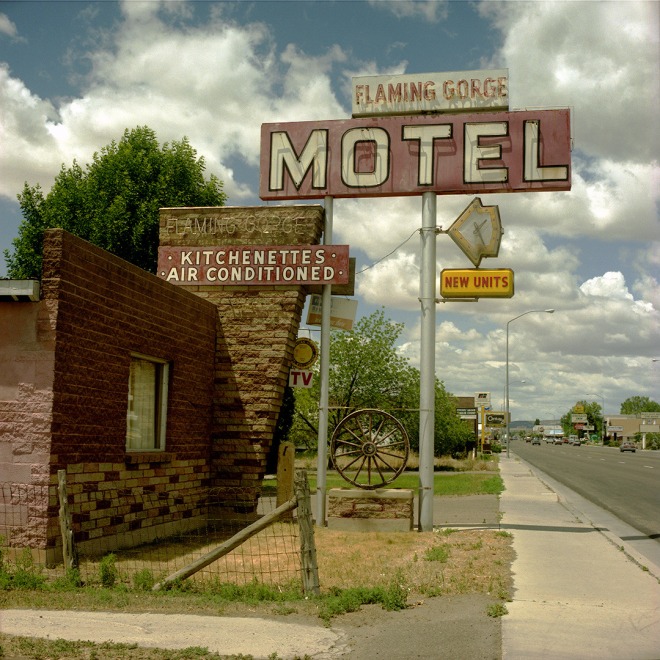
(381, 510)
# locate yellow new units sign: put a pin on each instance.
(476, 283)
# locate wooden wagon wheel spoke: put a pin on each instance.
(382, 439)
(385, 463)
(369, 448)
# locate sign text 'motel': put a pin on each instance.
(484, 152)
(254, 264)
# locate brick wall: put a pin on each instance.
(26, 390)
(101, 309)
(64, 406)
(257, 329)
(27, 342)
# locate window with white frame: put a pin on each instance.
(146, 416)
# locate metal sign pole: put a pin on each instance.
(322, 456)
(427, 362)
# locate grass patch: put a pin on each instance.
(444, 483)
(22, 647)
(468, 484)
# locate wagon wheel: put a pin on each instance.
(369, 448)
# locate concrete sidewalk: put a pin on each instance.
(577, 592)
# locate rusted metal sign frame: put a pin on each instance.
(474, 153)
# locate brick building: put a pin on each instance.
(131, 384)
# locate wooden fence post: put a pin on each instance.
(310, 569)
(69, 552)
(285, 466)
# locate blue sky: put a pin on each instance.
(74, 75)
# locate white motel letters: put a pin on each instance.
(474, 153)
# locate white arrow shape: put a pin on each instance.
(477, 231)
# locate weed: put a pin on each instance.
(395, 595)
(254, 592)
(340, 601)
(24, 574)
(437, 553)
(144, 580)
(108, 570)
(447, 531)
(504, 534)
(496, 610)
(71, 580)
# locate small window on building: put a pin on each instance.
(146, 417)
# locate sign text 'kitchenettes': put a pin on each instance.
(254, 265)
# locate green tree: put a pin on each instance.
(594, 414)
(367, 371)
(114, 201)
(639, 404)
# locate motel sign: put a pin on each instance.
(472, 153)
(476, 148)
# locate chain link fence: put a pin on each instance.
(269, 553)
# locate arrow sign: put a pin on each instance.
(477, 231)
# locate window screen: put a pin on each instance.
(147, 404)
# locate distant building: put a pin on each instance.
(626, 427)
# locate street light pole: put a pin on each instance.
(531, 311)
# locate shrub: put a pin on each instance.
(144, 580)
(108, 570)
(22, 574)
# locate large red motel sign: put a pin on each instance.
(476, 153)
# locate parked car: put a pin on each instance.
(536, 441)
(574, 440)
(628, 446)
(559, 440)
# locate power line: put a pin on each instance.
(389, 254)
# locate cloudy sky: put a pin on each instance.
(74, 75)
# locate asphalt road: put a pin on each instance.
(625, 484)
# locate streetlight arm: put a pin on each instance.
(530, 311)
